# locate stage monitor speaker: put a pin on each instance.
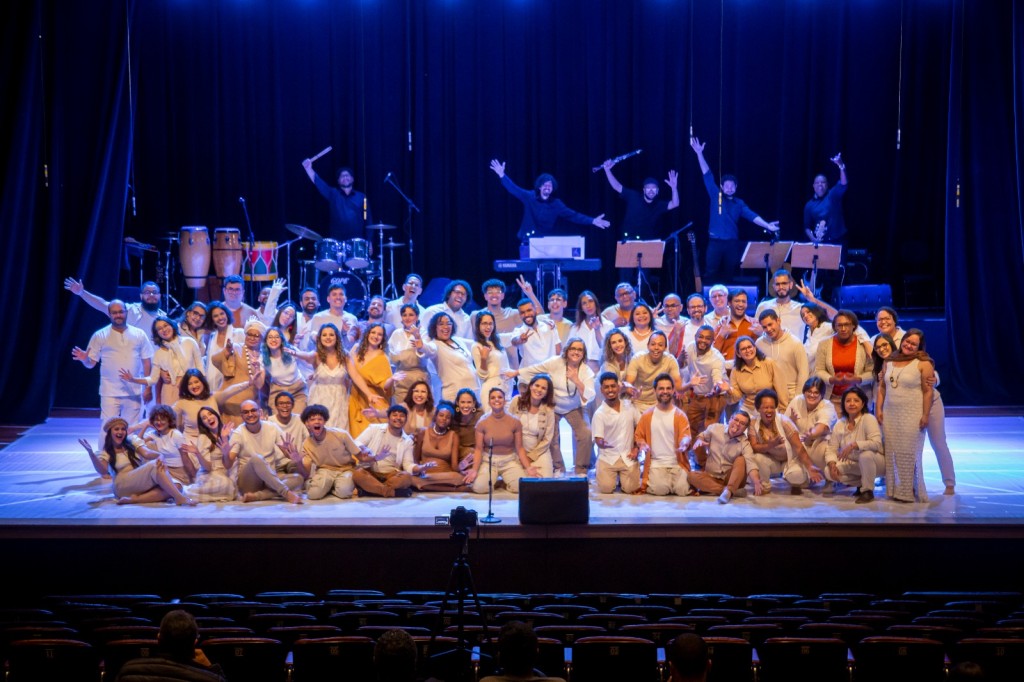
(863, 299)
(548, 501)
(433, 293)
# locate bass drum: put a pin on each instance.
(355, 290)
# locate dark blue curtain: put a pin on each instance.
(223, 99)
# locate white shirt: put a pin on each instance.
(823, 413)
(294, 428)
(567, 395)
(663, 439)
(343, 321)
(595, 348)
(711, 366)
(393, 311)
(167, 445)
(119, 350)
(245, 444)
(454, 362)
(617, 428)
(539, 346)
(376, 436)
(789, 315)
(790, 358)
(177, 356)
(723, 450)
(463, 325)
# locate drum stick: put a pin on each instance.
(324, 151)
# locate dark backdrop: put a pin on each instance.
(131, 119)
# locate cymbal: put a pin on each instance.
(302, 231)
(380, 226)
(392, 245)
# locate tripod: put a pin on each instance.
(456, 665)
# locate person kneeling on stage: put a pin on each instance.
(499, 448)
(663, 435)
(727, 457)
(814, 418)
(777, 448)
(614, 423)
(328, 458)
(388, 467)
(855, 455)
(254, 445)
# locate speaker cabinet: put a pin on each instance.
(548, 501)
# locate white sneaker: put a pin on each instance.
(725, 497)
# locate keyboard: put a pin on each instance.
(528, 265)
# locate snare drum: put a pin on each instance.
(355, 253)
(355, 290)
(227, 251)
(328, 255)
(194, 254)
(260, 264)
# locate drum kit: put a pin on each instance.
(349, 262)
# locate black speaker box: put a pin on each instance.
(548, 501)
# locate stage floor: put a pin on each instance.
(48, 489)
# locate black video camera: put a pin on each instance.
(461, 518)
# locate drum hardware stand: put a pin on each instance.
(252, 245)
(410, 207)
(390, 289)
(167, 276)
(288, 266)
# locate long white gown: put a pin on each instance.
(329, 387)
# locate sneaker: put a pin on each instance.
(725, 497)
(865, 497)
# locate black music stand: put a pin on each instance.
(767, 255)
(816, 256)
(639, 255)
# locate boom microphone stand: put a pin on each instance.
(410, 207)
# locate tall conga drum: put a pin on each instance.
(227, 251)
(260, 264)
(194, 254)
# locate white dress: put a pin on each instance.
(904, 439)
(329, 387)
(215, 484)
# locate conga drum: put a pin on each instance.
(194, 254)
(260, 264)
(227, 251)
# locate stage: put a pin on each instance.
(71, 536)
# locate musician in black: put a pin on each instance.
(643, 209)
(541, 211)
(350, 210)
(724, 252)
(823, 213)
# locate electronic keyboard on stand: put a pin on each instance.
(555, 266)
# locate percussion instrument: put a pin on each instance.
(380, 226)
(355, 290)
(392, 244)
(260, 264)
(227, 251)
(355, 253)
(328, 255)
(194, 254)
(301, 231)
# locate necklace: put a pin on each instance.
(433, 427)
(894, 378)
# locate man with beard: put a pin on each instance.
(262, 474)
(784, 305)
(723, 252)
(118, 346)
(646, 367)
(737, 324)
(336, 314)
(541, 211)
(625, 300)
(234, 299)
(350, 210)
(726, 451)
(140, 315)
(663, 436)
(456, 297)
(536, 341)
(705, 383)
(309, 305)
(374, 315)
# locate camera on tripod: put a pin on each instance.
(462, 519)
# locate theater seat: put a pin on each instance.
(608, 659)
(731, 659)
(800, 659)
(253, 659)
(898, 659)
(333, 658)
(1001, 659)
(42, 660)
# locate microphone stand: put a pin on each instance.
(252, 241)
(490, 518)
(410, 207)
(674, 238)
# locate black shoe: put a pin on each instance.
(403, 492)
(864, 497)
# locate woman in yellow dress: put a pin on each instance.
(371, 375)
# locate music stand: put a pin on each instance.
(639, 255)
(767, 255)
(816, 256)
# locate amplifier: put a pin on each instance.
(554, 500)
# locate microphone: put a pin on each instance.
(241, 200)
(134, 214)
(387, 177)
